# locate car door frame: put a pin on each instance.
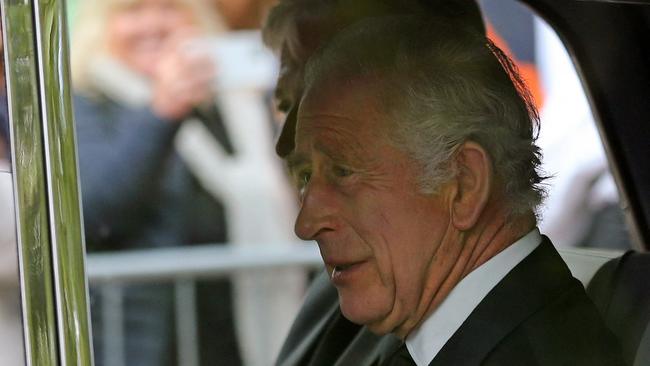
(49, 230)
(609, 43)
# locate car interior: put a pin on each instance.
(609, 43)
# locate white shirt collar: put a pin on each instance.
(425, 342)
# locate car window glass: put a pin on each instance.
(582, 208)
(180, 184)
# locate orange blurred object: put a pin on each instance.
(527, 70)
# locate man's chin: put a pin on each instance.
(362, 314)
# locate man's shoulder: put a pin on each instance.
(563, 327)
(568, 331)
(537, 315)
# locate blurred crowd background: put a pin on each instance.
(176, 124)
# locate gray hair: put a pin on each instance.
(441, 86)
(307, 24)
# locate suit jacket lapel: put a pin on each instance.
(321, 309)
(534, 282)
(337, 336)
(317, 329)
(369, 349)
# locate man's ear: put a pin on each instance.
(473, 185)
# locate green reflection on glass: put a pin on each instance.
(36, 273)
(61, 161)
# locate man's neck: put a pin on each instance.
(430, 336)
(489, 240)
(474, 247)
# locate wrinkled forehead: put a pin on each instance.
(129, 3)
(285, 143)
(331, 94)
(289, 83)
(288, 92)
(348, 106)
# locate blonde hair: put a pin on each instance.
(89, 35)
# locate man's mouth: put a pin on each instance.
(342, 267)
(340, 271)
(339, 268)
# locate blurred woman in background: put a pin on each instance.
(166, 160)
(137, 79)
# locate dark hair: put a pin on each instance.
(297, 28)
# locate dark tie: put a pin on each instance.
(400, 358)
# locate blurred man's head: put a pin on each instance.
(415, 161)
(241, 14)
(295, 29)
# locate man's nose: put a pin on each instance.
(317, 210)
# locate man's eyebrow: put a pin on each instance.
(294, 159)
(342, 149)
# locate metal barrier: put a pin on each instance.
(181, 266)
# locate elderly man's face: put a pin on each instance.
(359, 200)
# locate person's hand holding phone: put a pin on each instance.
(183, 77)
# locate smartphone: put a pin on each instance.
(241, 61)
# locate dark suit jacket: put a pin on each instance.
(321, 336)
(537, 315)
(621, 291)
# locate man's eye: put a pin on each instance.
(284, 106)
(341, 172)
(303, 177)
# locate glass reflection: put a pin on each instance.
(11, 333)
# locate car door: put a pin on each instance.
(46, 193)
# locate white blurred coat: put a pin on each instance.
(11, 334)
(260, 205)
